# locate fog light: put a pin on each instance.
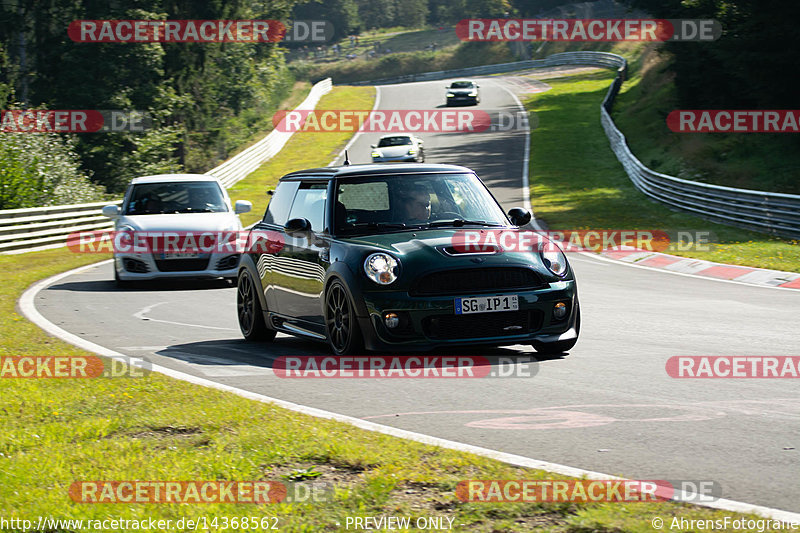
(560, 310)
(391, 320)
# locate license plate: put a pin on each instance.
(180, 255)
(487, 304)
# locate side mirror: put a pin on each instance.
(297, 227)
(519, 216)
(111, 211)
(242, 206)
(477, 86)
(373, 145)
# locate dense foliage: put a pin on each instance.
(207, 99)
(747, 67)
(42, 169)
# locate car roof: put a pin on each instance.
(162, 178)
(395, 169)
(396, 135)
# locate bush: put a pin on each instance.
(39, 169)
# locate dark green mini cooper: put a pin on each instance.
(380, 257)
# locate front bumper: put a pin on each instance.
(431, 321)
(462, 100)
(148, 266)
(399, 158)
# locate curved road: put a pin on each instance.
(608, 407)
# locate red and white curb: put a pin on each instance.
(706, 269)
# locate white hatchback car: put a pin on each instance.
(176, 206)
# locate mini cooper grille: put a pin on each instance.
(481, 325)
(476, 280)
(182, 265)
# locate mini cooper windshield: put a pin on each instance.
(378, 204)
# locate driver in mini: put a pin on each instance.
(416, 204)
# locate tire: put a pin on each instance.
(553, 348)
(341, 324)
(249, 312)
(421, 156)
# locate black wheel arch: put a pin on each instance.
(342, 271)
(248, 263)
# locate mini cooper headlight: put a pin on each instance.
(554, 259)
(382, 268)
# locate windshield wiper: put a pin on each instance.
(458, 222)
(379, 225)
(195, 210)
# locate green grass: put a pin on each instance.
(304, 150)
(760, 161)
(395, 39)
(57, 432)
(589, 189)
(467, 54)
(298, 93)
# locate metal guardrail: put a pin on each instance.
(40, 228)
(767, 212)
(776, 213)
(600, 59)
(242, 164)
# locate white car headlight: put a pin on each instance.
(473, 93)
(376, 153)
(450, 95)
(554, 259)
(412, 151)
(382, 268)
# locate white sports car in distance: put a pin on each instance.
(400, 147)
(176, 225)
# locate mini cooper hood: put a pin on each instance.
(394, 151)
(407, 243)
(198, 222)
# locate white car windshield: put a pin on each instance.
(394, 141)
(175, 197)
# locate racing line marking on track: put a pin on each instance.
(526, 155)
(144, 310)
(565, 417)
(28, 308)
